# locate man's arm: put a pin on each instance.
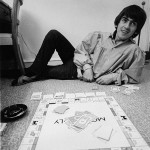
(134, 64)
(82, 58)
(134, 72)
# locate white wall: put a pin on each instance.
(73, 18)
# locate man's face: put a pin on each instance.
(126, 28)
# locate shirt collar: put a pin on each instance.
(112, 36)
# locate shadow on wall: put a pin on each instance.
(29, 32)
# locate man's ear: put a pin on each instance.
(135, 34)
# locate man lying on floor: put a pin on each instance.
(101, 57)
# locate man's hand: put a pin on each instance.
(107, 79)
(88, 75)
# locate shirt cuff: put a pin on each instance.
(87, 66)
(121, 78)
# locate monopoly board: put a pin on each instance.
(81, 121)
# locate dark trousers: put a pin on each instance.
(54, 40)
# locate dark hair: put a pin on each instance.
(134, 12)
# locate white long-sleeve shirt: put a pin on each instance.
(99, 52)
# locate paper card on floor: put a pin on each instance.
(36, 96)
(128, 91)
(70, 95)
(131, 86)
(61, 109)
(104, 132)
(115, 89)
(79, 95)
(59, 95)
(95, 87)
